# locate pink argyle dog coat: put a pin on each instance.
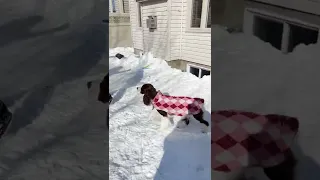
(177, 105)
(244, 139)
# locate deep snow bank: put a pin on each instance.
(138, 150)
(249, 74)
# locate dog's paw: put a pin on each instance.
(181, 124)
(204, 129)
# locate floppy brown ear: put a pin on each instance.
(146, 99)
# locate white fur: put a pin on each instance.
(205, 129)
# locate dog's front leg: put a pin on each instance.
(170, 118)
(153, 115)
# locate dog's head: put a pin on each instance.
(148, 91)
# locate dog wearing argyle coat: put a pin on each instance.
(244, 139)
(168, 106)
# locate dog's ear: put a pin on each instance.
(146, 99)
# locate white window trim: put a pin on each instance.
(204, 16)
(198, 67)
(285, 21)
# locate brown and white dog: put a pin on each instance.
(168, 106)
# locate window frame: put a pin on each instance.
(286, 21)
(204, 18)
(197, 67)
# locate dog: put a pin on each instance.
(240, 140)
(169, 105)
(103, 96)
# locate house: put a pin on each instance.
(178, 31)
(119, 24)
(283, 23)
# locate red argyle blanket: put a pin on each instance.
(243, 139)
(177, 105)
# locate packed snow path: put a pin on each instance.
(138, 149)
(68, 140)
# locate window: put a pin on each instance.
(196, 13)
(302, 35)
(282, 35)
(200, 14)
(197, 71)
(204, 73)
(139, 14)
(268, 31)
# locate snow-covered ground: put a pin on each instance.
(248, 74)
(138, 149)
(68, 140)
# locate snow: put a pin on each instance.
(250, 75)
(68, 140)
(138, 149)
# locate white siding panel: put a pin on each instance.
(136, 31)
(177, 27)
(185, 45)
(126, 6)
(156, 41)
(116, 3)
(197, 50)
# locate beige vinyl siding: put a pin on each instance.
(196, 47)
(137, 35)
(309, 6)
(126, 6)
(177, 27)
(156, 41)
(185, 45)
(116, 3)
(110, 6)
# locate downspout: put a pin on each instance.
(169, 30)
(181, 25)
